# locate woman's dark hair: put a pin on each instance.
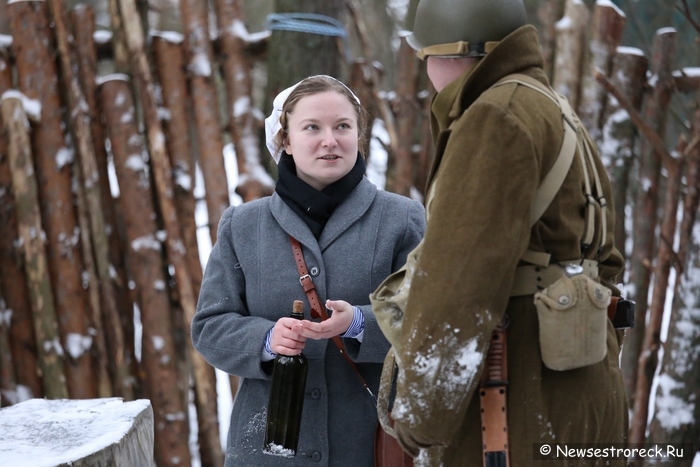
(314, 85)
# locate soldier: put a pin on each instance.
(488, 250)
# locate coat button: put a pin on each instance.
(314, 271)
(316, 456)
(316, 393)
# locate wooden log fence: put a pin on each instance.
(98, 239)
(147, 270)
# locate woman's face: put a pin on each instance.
(322, 137)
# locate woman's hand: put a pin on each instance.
(285, 340)
(337, 324)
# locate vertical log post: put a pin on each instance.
(571, 42)
(38, 79)
(170, 68)
(32, 238)
(89, 175)
(605, 36)
(119, 46)
(617, 147)
(680, 368)
(198, 52)
(253, 181)
(360, 83)
(205, 101)
(385, 111)
(169, 64)
(549, 12)
(145, 264)
(173, 101)
(646, 199)
(163, 179)
(649, 358)
(405, 107)
(8, 381)
(619, 152)
(13, 287)
(8, 233)
(82, 19)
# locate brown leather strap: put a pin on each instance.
(317, 310)
(612, 308)
(494, 417)
(305, 280)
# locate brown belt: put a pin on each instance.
(531, 279)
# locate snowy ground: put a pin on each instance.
(46, 433)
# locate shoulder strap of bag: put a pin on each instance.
(317, 310)
(387, 450)
(573, 139)
(555, 177)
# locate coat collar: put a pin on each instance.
(519, 52)
(516, 53)
(353, 208)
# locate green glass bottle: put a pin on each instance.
(286, 399)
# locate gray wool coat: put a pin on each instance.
(250, 282)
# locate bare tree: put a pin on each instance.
(646, 203)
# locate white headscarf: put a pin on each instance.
(272, 123)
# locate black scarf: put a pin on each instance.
(313, 206)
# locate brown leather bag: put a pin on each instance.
(387, 451)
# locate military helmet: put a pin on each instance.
(468, 28)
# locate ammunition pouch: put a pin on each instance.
(573, 322)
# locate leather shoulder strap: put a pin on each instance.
(317, 310)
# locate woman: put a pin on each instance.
(352, 235)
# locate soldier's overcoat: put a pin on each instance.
(493, 148)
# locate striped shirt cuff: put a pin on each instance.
(267, 353)
(357, 327)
